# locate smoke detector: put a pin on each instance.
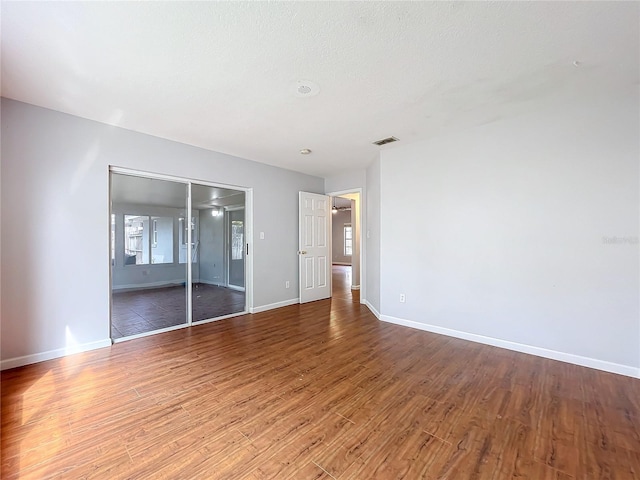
(306, 88)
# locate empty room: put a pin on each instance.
(320, 240)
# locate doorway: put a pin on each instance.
(347, 243)
(235, 248)
(169, 267)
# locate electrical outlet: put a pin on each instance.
(261, 235)
(402, 298)
(286, 284)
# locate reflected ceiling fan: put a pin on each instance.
(336, 209)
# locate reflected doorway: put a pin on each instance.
(235, 248)
(148, 255)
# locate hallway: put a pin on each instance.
(341, 287)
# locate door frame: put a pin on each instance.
(361, 225)
(248, 267)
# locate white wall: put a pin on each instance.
(55, 166)
(346, 181)
(501, 231)
(371, 235)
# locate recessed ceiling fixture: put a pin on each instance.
(384, 141)
(305, 151)
(306, 88)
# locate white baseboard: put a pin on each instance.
(149, 333)
(517, 347)
(372, 308)
(208, 282)
(142, 286)
(234, 287)
(355, 287)
(271, 306)
(51, 354)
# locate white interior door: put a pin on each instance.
(314, 247)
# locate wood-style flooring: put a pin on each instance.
(142, 311)
(316, 391)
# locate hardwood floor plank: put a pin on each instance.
(310, 471)
(316, 391)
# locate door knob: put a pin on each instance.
(302, 252)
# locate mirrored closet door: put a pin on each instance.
(177, 254)
(213, 291)
(149, 255)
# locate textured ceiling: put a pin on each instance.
(222, 75)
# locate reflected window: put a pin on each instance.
(184, 225)
(162, 240)
(237, 239)
(136, 240)
(147, 240)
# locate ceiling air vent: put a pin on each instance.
(384, 141)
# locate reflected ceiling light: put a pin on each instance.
(215, 212)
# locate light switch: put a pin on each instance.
(261, 235)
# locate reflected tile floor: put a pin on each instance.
(153, 309)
